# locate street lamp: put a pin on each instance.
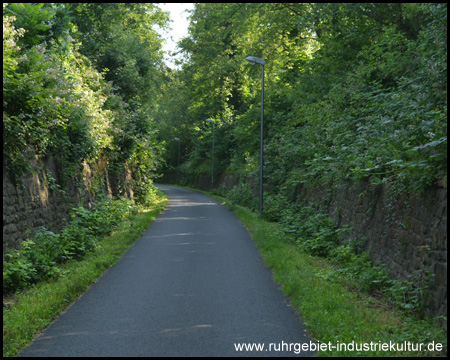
(252, 60)
(212, 171)
(178, 168)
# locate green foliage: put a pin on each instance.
(52, 102)
(41, 21)
(314, 231)
(353, 91)
(38, 258)
(122, 39)
(80, 83)
(242, 194)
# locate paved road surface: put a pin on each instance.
(193, 285)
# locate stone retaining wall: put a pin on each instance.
(38, 199)
(406, 232)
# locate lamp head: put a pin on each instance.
(252, 60)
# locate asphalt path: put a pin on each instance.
(193, 285)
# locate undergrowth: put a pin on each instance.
(40, 258)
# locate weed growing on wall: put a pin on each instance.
(315, 233)
(242, 194)
(38, 259)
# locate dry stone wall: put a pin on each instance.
(38, 198)
(406, 232)
(409, 235)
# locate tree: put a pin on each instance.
(352, 90)
(60, 99)
(121, 40)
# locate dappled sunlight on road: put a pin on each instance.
(182, 202)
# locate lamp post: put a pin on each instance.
(252, 60)
(212, 171)
(178, 168)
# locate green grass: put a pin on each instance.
(31, 310)
(331, 311)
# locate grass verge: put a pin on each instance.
(33, 309)
(334, 314)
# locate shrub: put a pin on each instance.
(38, 258)
(315, 232)
(242, 194)
(274, 207)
